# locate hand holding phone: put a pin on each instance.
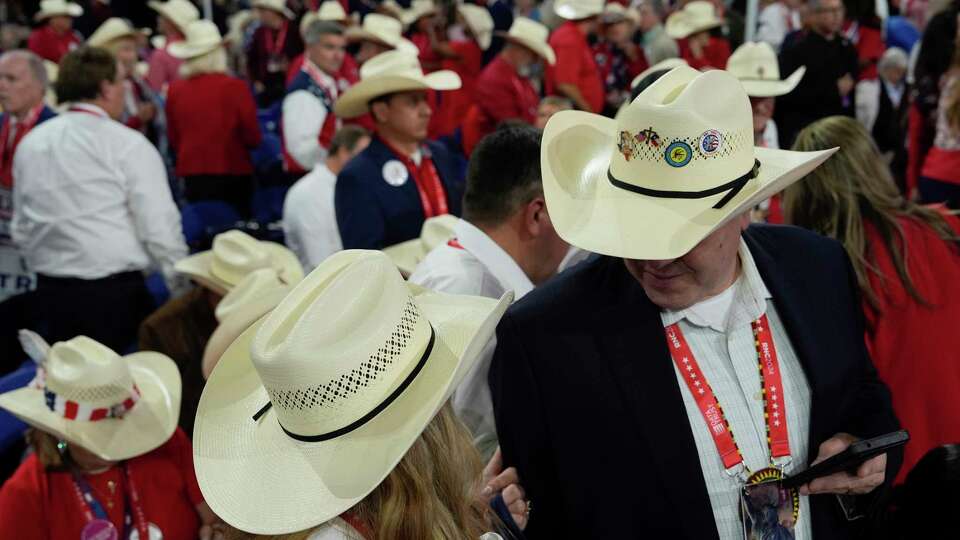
(846, 465)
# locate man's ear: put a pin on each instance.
(535, 212)
(376, 109)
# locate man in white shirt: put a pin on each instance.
(777, 20)
(308, 119)
(505, 241)
(309, 217)
(93, 210)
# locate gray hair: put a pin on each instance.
(317, 29)
(894, 57)
(34, 63)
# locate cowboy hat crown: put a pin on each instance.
(756, 65)
(114, 28)
(84, 371)
(180, 12)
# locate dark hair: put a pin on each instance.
(385, 98)
(503, 174)
(81, 73)
(347, 137)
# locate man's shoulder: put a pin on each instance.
(565, 35)
(587, 286)
(794, 249)
(364, 167)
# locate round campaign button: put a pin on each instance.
(395, 173)
(99, 529)
(710, 142)
(678, 154)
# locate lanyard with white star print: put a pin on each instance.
(774, 411)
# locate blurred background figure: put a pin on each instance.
(173, 18)
(55, 37)
(575, 74)
(882, 107)
(465, 58)
(618, 58)
(548, 107)
(778, 19)
(940, 175)
(273, 46)
(657, 45)
(691, 28)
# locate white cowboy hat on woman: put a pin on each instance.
(532, 35)
(279, 6)
(679, 163)
(755, 64)
(389, 72)
(574, 10)
(234, 255)
(180, 12)
(57, 8)
(314, 405)
(202, 37)
(382, 29)
(418, 9)
(114, 28)
(695, 17)
(435, 231)
(116, 407)
(479, 21)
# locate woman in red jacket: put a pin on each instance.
(211, 122)
(907, 262)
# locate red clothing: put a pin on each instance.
(916, 348)
(575, 65)
(715, 54)
(212, 125)
(942, 165)
(164, 68)
(43, 505)
(916, 148)
(501, 94)
(429, 59)
(49, 45)
(456, 103)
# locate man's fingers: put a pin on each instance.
(872, 466)
(495, 465)
(512, 494)
(503, 480)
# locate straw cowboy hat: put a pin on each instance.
(662, 65)
(180, 12)
(279, 6)
(479, 21)
(678, 164)
(331, 10)
(252, 298)
(393, 9)
(116, 407)
(614, 13)
(435, 231)
(532, 35)
(314, 405)
(57, 8)
(574, 10)
(389, 72)
(695, 17)
(114, 28)
(202, 37)
(755, 64)
(382, 29)
(418, 10)
(234, 255)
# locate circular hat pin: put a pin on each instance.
(678, 154)
(710, 142)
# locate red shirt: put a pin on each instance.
(212, 125)
(501, 94)
(49, 45)
(715, 54)
(916, 348)
(429, 58)
(575, 65)
(164, 68)
(42, 505)
(455, 104)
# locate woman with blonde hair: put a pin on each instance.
(940, 176)
(329, 418)
(907, 263)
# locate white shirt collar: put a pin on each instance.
(742, 302)
(91, 108)
(497, 261)
(322, 77)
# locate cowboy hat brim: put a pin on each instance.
(356, 33)
(197, 267)
(277, 9)
(591, 213)
(71, 10)
(773, 88)
(302, 484)
(100, 41)
(172, 16)
(542, 49)
(235, 324)
(681, 28)
(356, 100)
(186, 50)
(149, 424)
(406, 255)
(571, 12)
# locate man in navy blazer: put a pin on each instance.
(627, 392)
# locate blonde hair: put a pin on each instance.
(855, 186)
(45, 445)
(430, 494)
(214, 61)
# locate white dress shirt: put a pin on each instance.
(303, 118)
(480, 267)
(309, 218)
(720, 336)
(775, 22)
(91, 199)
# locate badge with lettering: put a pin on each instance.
(395, 173)
(710, 142)
(678, 154)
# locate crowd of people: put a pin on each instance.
(492, 269)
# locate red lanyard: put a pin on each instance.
(86, 111)
(433, 197)
(7, 148)
(133, 510)
(276, 47)
(318, 77)
(775, 411)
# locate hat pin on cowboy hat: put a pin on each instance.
(315, 404)
(676, 165)
(234, 255)
(57, 8)
(755, 64)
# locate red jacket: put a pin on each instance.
(49, 45)
(715, 54)
(212, 125)
(456, 103)
(501, 94)
(575, 65)
(916, 348)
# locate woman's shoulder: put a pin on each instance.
(335, 529)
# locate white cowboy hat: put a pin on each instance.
(114, 28)
(382, 29)
(202, 37)
(279, 6)
(116, 407)
(180, 12)
(479, 21)
(418, 9)
(393, 9)
(386, 73)
(331, 10)
(234, 255)
(314, 405)
(695, 17)
(237, 25)
(252, 298)
(435, 231)
(614, 13)
(56, 8)
(755, 64)
(532, 35)
(662, 65)
(678, 164)
(574, 10)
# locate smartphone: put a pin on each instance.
(850, 459)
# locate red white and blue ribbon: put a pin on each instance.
(72, 410)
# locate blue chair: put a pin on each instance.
(12, 429)
(269, 155)
(205, 219)
(267, 204)
(902, 33)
